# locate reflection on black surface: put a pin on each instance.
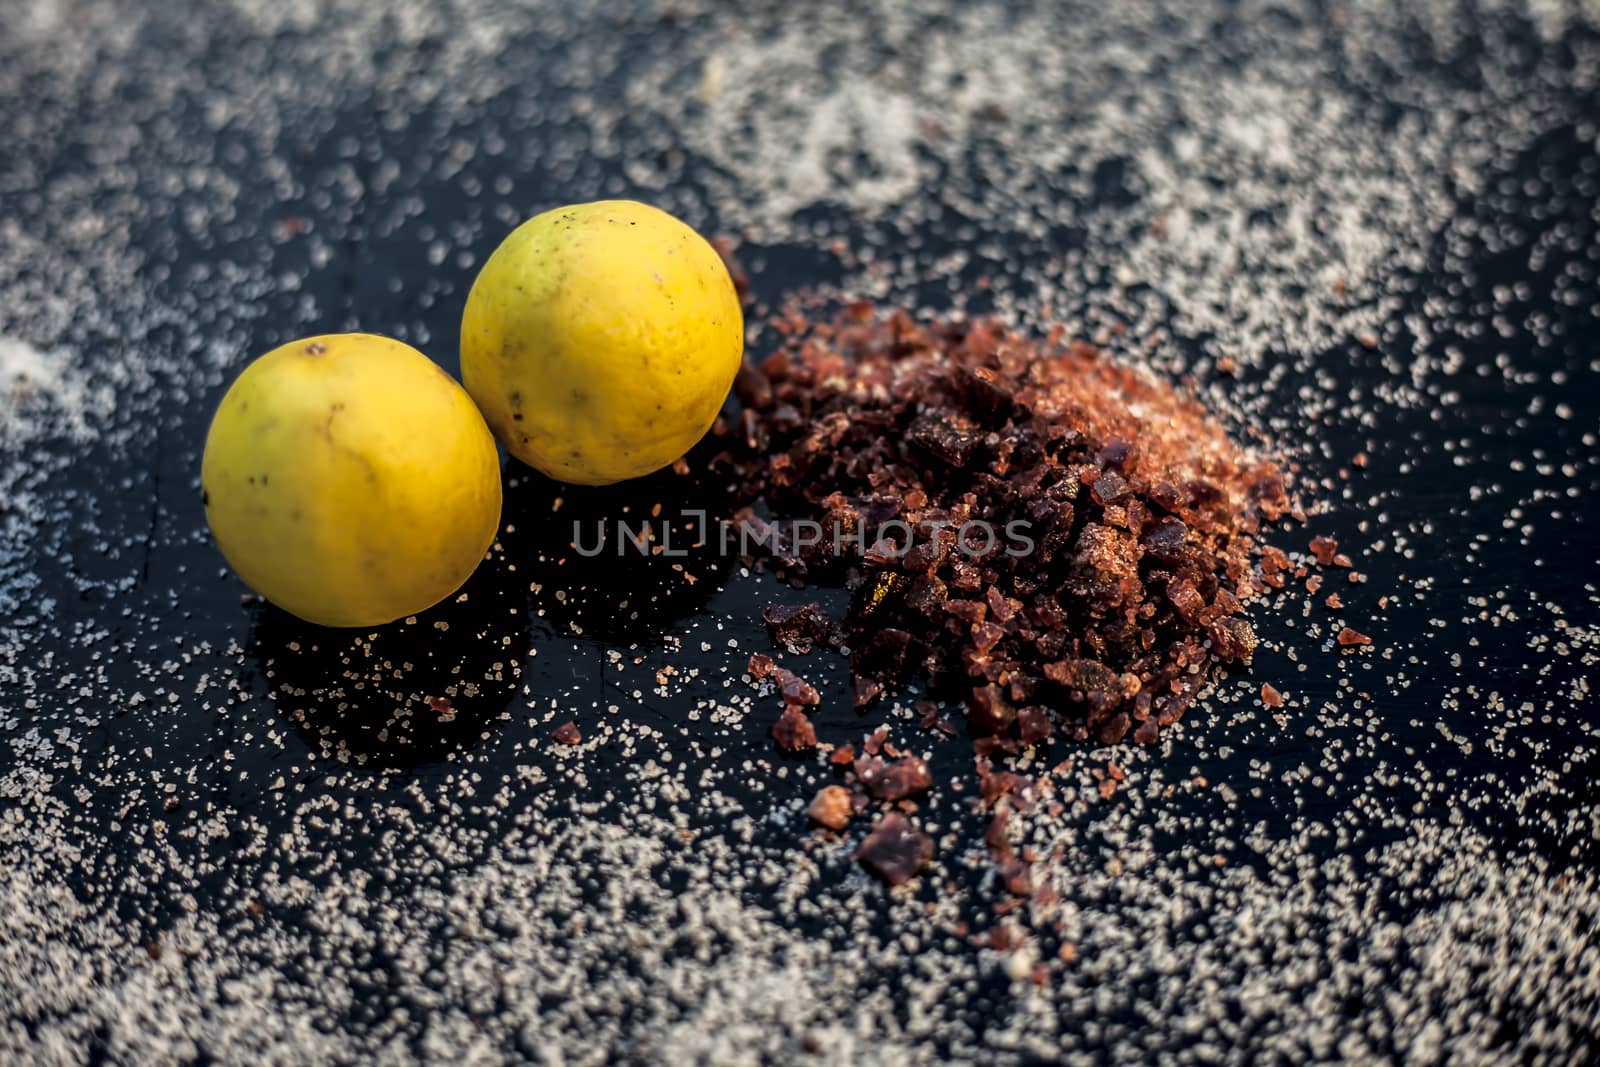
(620, 562)
(408, 693)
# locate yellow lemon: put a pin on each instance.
(349, 480)
(600, 340)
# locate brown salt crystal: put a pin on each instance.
(1186, 599)
(995, 837)
(831, 807)
(1003, 937)
(895, 850)
(865, 691)
(567, 733)
(1033, 724)
(752, 387)
(1324, 548)
(1348, 637)
(992, 784)
(793, 688)
(1270, 696)
(894, 779)
(1143, 516)
(1233, 639)
(793, 731)
(989, 710)
(799, 627)
(1017, 876)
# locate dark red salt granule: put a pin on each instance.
(1349, 637)
(995, 786)
(1142, 513)
(793, 732)
(567, 733)
(1017, 876)
(894, 779)
(995, 837)
(895, 850)
(799, 627)
(1143, 519)
(793, 688)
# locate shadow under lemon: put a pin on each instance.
(617, 563)
(408, 693)
(621, 563)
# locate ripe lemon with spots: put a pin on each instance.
(350, 481)
(600, 340)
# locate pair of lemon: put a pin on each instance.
(351, 481)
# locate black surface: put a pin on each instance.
(144, 502)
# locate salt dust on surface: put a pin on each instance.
(1362, 227)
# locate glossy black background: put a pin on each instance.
(139, 563)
